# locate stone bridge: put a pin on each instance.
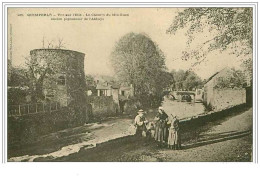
(183, 95)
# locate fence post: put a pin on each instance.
(19, 109)
(43, 107)
(36, 108)
(56, 106)
(28, 108)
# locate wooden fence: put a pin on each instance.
(24, 109)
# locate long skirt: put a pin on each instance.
(174, 138)
(160, 132)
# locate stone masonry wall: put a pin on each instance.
(103, 106)
(224, 98)
(69, 64)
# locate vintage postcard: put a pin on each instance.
(130, 84)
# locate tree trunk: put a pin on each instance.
(39, 90)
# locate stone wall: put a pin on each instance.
(209, 93)
(216, 98)
(224, 98)
(102, 106)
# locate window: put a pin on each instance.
(123, 93)
(102, 93)
(61, 80)
(49, 94)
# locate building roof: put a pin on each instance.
(103, 86)
(125, 88)
(115, 86)
(211, 77)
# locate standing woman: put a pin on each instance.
(174, 139)
(161, 126)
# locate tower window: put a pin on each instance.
(61, 80)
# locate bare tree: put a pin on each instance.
(60, 44)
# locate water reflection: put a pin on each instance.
(182, 109)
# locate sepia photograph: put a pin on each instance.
(130, 84)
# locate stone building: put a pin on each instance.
(220, 98)
(126, 91)
(106, 89)
(67, 84)
(110, 99)
(68, 81)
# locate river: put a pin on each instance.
(182, 109)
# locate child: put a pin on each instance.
(150, 130)
(174, 138)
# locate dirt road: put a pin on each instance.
(229, 139)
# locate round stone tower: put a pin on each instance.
(66, 82)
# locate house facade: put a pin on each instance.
(106, 89)
(126, 91)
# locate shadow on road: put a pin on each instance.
(215, 138)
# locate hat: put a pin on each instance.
(140, 111)
(173, 115)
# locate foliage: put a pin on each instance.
(91, 84)
(90, 80)
(185, 80)
(192, 81)
(233, 78)
(17, 95)
(18, 77)
(137, 60)
(38, 68)
(233, 29)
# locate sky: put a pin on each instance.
(96, 38)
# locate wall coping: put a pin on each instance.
(64, 50)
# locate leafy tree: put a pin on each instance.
(185, 80)
(233, 29)
(192, 81)
(233, 78)
(178, 77)
(18, 77)
(37, 69)
(90, 80)
(137, 60)
(91, 84)
(40, 68)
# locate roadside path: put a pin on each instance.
(229, 139)
(225, 140)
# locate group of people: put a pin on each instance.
(165, 130)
